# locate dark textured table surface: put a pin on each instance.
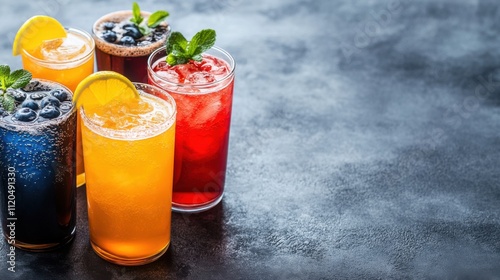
(365, 143)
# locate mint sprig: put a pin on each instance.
(156, 18)
(153, 21)
(180, 51)
(17, 79)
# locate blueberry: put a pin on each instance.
(133, 32)
(49, 112)
(159, 34)
(109, 36)
(66, 106)
(60, 94)
(108, 25)
(127, 40)
(50, 100)
(35, 86)
(30, 104)
(3, 113)
(143, 43)
(128, 25)
(25, 115)
(38, 95)
(31, 85)
(19, 96)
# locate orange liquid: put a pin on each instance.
(129, 188)
(67, 69)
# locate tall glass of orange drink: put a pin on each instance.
(55, 53)
(129, 154)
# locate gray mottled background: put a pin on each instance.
(364, 145)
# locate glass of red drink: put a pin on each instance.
(203, 92)
(127, 57)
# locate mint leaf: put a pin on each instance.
(171, 59)
(19, 78)
(156, 18)
(202, 41)
(16, 79)
(144, 30)
(174, 60)
(153, 21)
(8, 103)
(179, 54)
(136, 13)
(4, 74)
(4, 70)
(180, 51)
(197, 57)
(176, 38)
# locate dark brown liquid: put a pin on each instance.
(132, 67)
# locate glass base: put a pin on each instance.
(44, 247)
(186, 208)
(127, 262)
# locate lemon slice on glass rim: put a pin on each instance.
(35, 31)
(102, 87)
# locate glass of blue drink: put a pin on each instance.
(38, 167)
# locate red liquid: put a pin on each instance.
(132, 67)
(202, 132)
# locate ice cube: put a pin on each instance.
(62, 49)
(50, 45)
(217, 67)
(219, 71)
(206, 113)
(169, 75)
(184, 70)
(202, 77)
(161, 65)
(203, 141)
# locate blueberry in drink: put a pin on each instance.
(125, 39)
(37, 162)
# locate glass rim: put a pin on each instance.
(32, 124)
(231, 62)
(101, 42)
(124, 135)
(85, 57)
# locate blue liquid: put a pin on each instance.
(43, 163)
